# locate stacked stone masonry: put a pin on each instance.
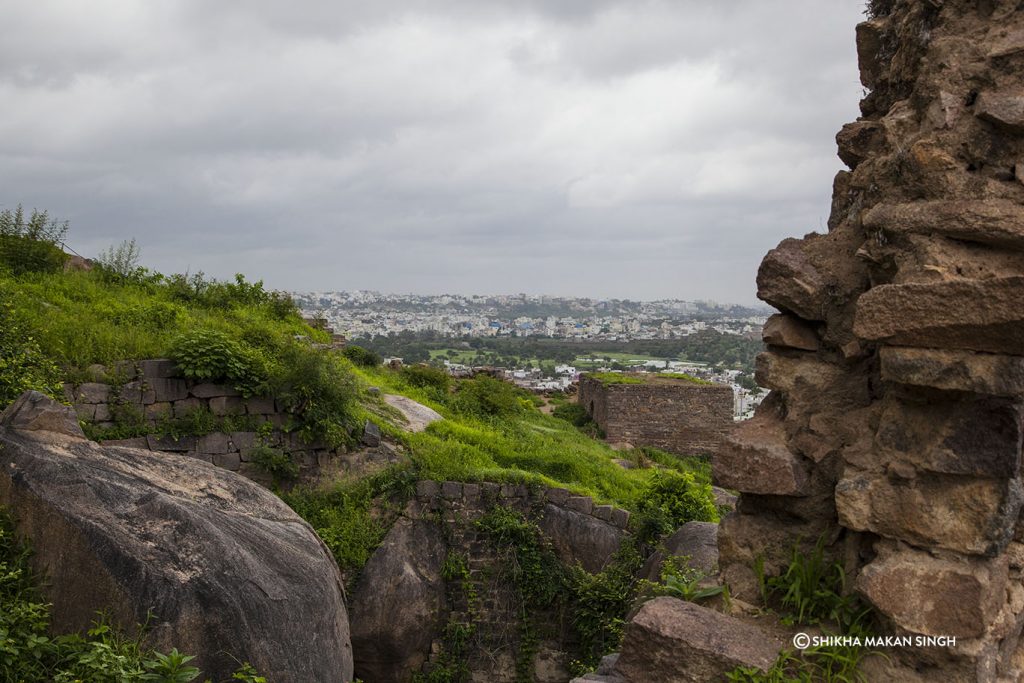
(896, 364)
(439, 523)
(151, 389)
(675, 415)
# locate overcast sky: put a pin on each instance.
(609, 148)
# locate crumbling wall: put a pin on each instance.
(676, 415)
(896, 366)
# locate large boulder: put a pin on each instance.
(229, 572)
(580, 538)
(693, 545)
(672, 641)
(398, 606)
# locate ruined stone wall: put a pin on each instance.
(409, 627)
(896, 365)
(678, 416)
(150, 391)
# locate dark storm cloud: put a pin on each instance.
(631, 148)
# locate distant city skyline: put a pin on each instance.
(631, 149)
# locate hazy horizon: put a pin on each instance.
(635, 150)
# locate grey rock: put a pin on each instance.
(557, 496)
(427, 489)
(170, 444)
(226, 405)
(259, 406)
(602, 512)
(93, 392)
(213, 443)
(695, 545)
(398, 606)
(229, 461)
(231, 573)
(451, 490)
(40, 415)
(583, 504)
(371, 434)
(158, 368)
(578, 537)
(165, 389)
(207, 390)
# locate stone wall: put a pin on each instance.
(896, 366)
(151, 389)
(675, 415)
(439, 523)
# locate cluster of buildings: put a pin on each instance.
(369, 314)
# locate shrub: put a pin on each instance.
(319, 388)
(274, 462)
(362, 357)
(573, 413)
(486, 397)
(673, 498)
(23, 366)
(434, 380)
(33, 245)
(214, 356)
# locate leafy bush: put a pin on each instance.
(317, 385)
(121, 262)
(573, 413)
(362, 357)
(23, 366)
(214, 356)
(600, 603)
(209, 293)
(435, 381)
(274, 462)
(674, 498)
(486, 397)
(33, 245)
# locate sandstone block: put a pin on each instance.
(965, 514)
(259, 406)
(755, 459)
(790, 332)
(998, 222)
(677, 641)
(789, 281)
(557, 496)
(207, 390)
(158, 368)
(954, 370)
(582, 504)
(226, 405)
(932, 596)
(165, 389)
(229, 461)
(858, 140)
(1005, 109)
(602, 512)
(870, 38)
(979, 315)
(93, 392)
(620, 518)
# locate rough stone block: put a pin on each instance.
(557, 496)
(789, 281)
(186, 406)
(755, 459)
(578, 537)
(858, 140)
(226, 405)
(229, 461)
(470, 491)
(953, 370)
(673, 640)
(138, 442)
(695, 545)
(583, 504)
(979, 315)
(620, 518)
(103, 412)
(240, 440)
(371, 434)
(213, 443)
(136, 392)
(932, 596)
(997, 222)
(490, 489)
(165, 389)
(259, 406)
(93, 392)
(427, 489)
(158, 368)
(790, 332)
(965, 514)
(451, 490)
(207, 390)
(85, 411)
(159, 411)
(1005, 109)
(602, 512)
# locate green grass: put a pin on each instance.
(609, 378)
(683, 376)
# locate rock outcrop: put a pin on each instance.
(896, 366)
(229, 572)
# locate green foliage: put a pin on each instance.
(362, 357)
(23, 366)
(274, 462)
(673, 498)
(32, 245)
(679, 580)
(434, 381)
(319, 388)
(121, 262)
(214, 356)
(30, 654)
(573, 413)
(600, 603)
(486, 397)
(683, 376)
